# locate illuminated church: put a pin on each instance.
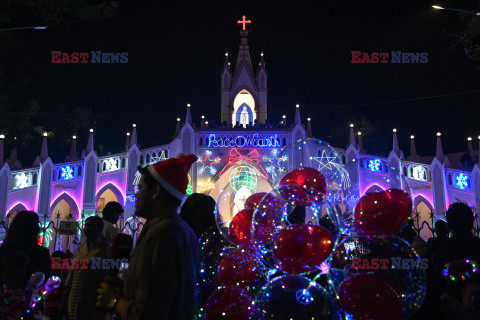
(239, 157)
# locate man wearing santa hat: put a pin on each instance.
(160, 281)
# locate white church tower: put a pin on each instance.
(243, 96)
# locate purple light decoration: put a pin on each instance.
(362, 192)
(123, 191)
(27, 207)
(67, 196)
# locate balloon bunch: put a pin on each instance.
(277, 242)
(297, 253)
(375, 273)
(19, 302)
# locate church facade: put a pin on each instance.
(242, 155)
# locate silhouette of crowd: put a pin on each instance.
(158, 276)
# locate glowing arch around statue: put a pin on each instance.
(244, 108)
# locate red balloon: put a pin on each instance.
(366, 296)
(303, 186)
(253, 201)
(238, 268)
(240, 229)
(382, 213)
(268, 218)
(230, 303)
(302, 247)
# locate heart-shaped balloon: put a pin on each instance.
(366, 296)
(302, 247)
(253, 201)
(239, 230)
(382, 213)
(303, 186)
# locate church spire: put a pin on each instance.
(2, 138)
(244, 52)
(360, 143)
(309, 128)
(226, 63)
(89, 143)
(395, 147)
(439, 152)
(352, 137)
(188, 117)
(44, 152)
(413, 149)
(297, 120)
(133, 137)
(470, 147)
(177, 129)
(73, 150)
(127, 142)
(262, 62)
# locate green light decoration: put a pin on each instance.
(243, 176)
(189, 190)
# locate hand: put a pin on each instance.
(107, 293)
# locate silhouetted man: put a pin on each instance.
(462, 244)
(160, 281)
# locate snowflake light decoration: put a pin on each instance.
(208, 163)
(462, 181)
(374, 165)
(275, 166)
(66, 172)
(21, 181)
(111, 164)
(329, 162)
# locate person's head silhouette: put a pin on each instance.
(441, 229)
(460, 218)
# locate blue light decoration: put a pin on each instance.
(276, 165)
(462, 181)
(374, 165)
(304, 296)
(66, 173)
(244, 141)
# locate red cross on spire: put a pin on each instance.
(244, 22)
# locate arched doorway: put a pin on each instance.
(107, 193)
(14, 210)
(374, 188)
(61, 210)
(103, 199)
(423, 208)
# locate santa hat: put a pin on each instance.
(172, 174)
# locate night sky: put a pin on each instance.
(176, 53)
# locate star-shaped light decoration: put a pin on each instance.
(328, 162)
(208, 163)
(275, 167)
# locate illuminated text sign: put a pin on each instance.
(241, 141)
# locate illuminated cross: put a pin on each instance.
(243, 22)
